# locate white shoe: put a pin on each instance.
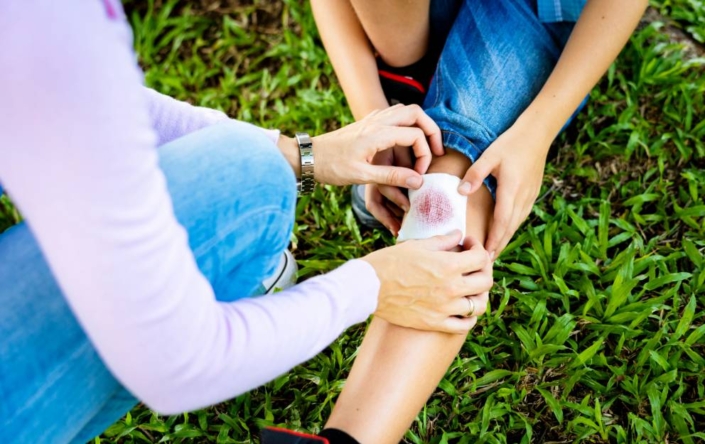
(284, 276)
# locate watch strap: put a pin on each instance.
(307, 182)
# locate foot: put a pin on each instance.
(284, 276)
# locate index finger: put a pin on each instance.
(414, 137)
(413, 115)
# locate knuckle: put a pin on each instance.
(419, 135)
(371, 205)
(480, 310)
(476, 261)
(480, 259)
(487, 282)
(393, 176)
(453, 289)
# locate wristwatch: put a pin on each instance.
(306, 184)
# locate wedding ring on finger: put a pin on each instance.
(472, 307)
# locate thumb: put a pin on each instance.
(395, 176)
(475, 175)
(443, 242)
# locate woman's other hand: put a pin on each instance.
(345, 156)
(517, 160)
(428, 284)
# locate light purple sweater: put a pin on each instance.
(78, 154)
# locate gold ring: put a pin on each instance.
(472, 307)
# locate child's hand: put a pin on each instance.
(517, 160)
(389, 203)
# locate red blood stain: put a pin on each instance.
(433, 208)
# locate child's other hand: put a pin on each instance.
(517, 160)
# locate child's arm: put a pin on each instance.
(353, 59)
(517, 158)
(351, 54)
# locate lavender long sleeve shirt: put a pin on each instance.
(78, 154)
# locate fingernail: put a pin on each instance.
(492, 253)
(414, 182)
(465, 188)
(405, 207)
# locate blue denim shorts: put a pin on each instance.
(495, 57)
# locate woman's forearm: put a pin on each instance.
(351, 54)
(600, 34)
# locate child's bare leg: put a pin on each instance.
(398, 29)
(397, 368)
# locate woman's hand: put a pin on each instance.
(517, 160)
(345, 156)
(426, 283)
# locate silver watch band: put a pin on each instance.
(306, 184)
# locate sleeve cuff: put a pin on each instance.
(359, 287)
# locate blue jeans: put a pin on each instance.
(495, 56)
(233, 192)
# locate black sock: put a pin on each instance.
(421, 70)
(335, 436)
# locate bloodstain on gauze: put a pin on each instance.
(434, 208)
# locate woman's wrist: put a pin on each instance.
(290, 150)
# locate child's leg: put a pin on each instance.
(397, 29)
(397, 368)
(495, 59)
(402, 32)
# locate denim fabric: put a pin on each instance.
(560, 10)
(495, 58)
(233, 192)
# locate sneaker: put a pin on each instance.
(358, 205)
(275, 435)
(284, 276)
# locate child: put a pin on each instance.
(506, 76)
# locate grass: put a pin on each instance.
(597, 325)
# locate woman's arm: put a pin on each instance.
(78, 155)
(517, 158)
(351, 54)
(173, 118)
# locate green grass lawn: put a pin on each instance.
(597, 325)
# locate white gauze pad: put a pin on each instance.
(436, 208)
